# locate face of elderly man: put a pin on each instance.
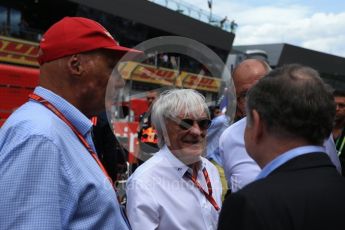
(187, 136)
(98, 68)
(245, 77)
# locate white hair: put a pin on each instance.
(173, 103)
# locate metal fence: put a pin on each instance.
(199, 14)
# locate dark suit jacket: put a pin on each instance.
(304, 193)
(109, 150)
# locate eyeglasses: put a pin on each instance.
(186, 124)
(150, 98)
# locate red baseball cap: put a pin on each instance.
(72, 35)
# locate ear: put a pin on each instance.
(257, 127)
(74, 65)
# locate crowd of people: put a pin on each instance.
(282, 155)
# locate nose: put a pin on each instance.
(195, 129)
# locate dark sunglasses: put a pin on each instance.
(186, 124)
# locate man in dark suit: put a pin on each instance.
(289, 114)
(109, 150)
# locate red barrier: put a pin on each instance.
(12, 98)
(16, 82)
(139, 106)
(19, 76)
(126, 132)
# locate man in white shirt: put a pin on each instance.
(177, 188)
(239, 168)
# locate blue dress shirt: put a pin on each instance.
(283, 158)
(218, 125)
(48, 179)
(240, 169)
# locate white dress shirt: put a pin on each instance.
(159, 196)
(240, 169)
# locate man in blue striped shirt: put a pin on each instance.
(51, 177)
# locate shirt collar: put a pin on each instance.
(179, 167)
(77, 118)
(292, 153)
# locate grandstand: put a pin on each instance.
(330, 67)
(131, 22)
(22, 23)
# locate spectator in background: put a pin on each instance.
(339, 126)
(177, 188)
(214, 111)
(233, 26)
(24, 29)
(290, 114)
(51, 177)
(223, 21)
(109, 150)
(4, 29)
(239, 168)
(219, 122)
(147, 134)
(164, 60)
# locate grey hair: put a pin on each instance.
(294, 102)
(173, 103)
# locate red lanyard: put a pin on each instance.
(209, 186)
(74, 129)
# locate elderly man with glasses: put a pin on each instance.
(177, 188)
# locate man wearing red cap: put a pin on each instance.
(51, 177)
